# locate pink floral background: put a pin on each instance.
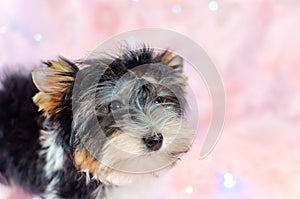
(255, 45)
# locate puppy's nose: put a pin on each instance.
(153, 142)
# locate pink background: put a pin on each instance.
(255, 45)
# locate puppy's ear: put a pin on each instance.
(175, 62)
(53, 81)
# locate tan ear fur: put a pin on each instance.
(174, 61)
(52, 81)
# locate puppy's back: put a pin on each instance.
(20, 123)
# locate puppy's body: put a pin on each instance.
(20, 124)
(68, 143)
(23, 155)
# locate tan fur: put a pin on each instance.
(52, 84)
(169, 59)
(167, 56)
(106, 174)
(85, 161)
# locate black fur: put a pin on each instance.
(20, 123)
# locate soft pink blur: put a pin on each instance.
(255, 45)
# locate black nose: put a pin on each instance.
(153, 142)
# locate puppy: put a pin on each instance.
(75, 129)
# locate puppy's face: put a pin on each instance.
(128, 116)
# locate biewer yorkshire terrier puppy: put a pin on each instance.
(73, 130)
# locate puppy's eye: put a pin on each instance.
(158, 100)
(166, 100)
(114, 105)
(106, 109)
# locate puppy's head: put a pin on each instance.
(128, 113)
